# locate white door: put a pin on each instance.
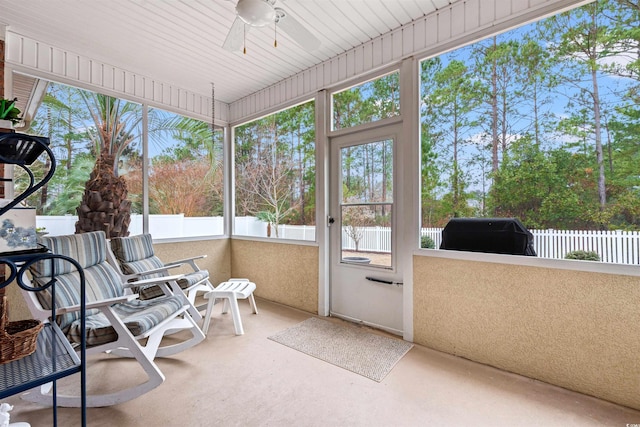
(366, 284)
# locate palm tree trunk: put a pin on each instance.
(104, 205)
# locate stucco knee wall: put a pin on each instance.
(283, 272)
(578, 330)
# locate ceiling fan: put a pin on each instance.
(259, 13)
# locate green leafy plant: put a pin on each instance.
(270, 218)
(8, 110)
(583, 255)
(427, 242)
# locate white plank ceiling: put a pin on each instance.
(180, 41)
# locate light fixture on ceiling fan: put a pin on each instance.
(256, 13)
(259, 13)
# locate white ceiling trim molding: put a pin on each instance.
(456, 25)
(28, 56)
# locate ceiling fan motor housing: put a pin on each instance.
(257, 13)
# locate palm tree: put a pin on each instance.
(116, 125)
(104, 204)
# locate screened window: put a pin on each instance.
(539, 123)
(97, 141)
(185, 176)
(275, 175)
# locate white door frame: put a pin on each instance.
(366, 294)
(408, 195)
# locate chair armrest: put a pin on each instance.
(164, 269)
(184, 261)
(97, 304)
(153, 281)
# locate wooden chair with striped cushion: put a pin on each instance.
(135, 258)
(116, 321)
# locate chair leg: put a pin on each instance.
(235, 312)
(207, 316)
(193, 311)
(252, 302)
(192, 293)
(188, 323)
(153, 347)
(155, 377)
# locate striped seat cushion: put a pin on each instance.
(138, 316)
(135, 255)
(142, 265)
(154, 291)
(134, 248)
(193, 278)
(102, 281)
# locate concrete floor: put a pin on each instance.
(249, 380)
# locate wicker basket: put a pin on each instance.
(17, 339)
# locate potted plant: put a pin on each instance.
(9, 113)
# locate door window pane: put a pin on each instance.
(367, 172)
(366, 234)
(366, 203)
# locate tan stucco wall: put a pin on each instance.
(578, 330)
(284, 273)
(218, 260)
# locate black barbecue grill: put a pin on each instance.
(492, 235)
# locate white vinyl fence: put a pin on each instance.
(619, 247)
(160, 226)
(616, 246)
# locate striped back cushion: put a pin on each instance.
(132, 248)
(87, 249)
(101, 280)
(135, 254)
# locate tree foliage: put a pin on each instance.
(97, 141)
(550, 132)
(275, 167)
(540, 123)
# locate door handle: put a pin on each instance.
(330, 221)
(385, 281)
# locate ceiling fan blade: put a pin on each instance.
(235, 38)
(294, 29)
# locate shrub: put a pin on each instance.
(427, 242)
(583, 255)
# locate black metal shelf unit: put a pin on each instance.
(54, 357)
